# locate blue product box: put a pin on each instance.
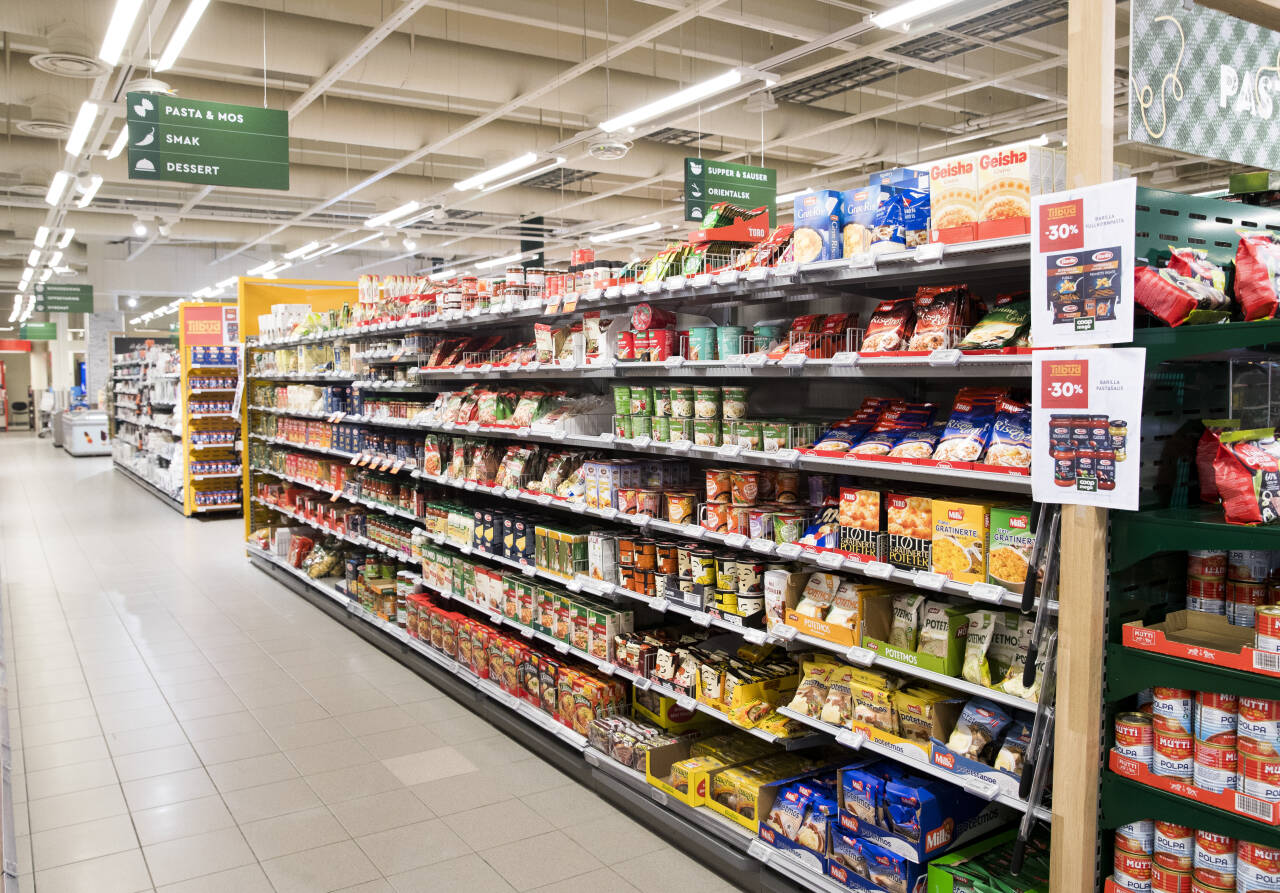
(905, 177)
(943, 756)
(818, 223)
(859, 211)
(861, 864)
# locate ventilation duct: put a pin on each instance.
(70, 54)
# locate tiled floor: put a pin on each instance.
(182, 723)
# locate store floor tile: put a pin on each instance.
(182, 723)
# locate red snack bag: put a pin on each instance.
(299, 548)
(1163, 294)
(939, 324)
(1195, 263)
(1258, 275)
(889, 326)
(1206, 451)
(1248, 478)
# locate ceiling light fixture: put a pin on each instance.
(260, 268)
(56, 259)
(298, 252)
(57, 187)
(139, 227)
(45, 276)
(26, 278)
(80, 129)
(687, 96)
(118, 30)
(228, 282)
(87, 196)
(132, 302)
(789, 196)
(630, 231)
(903, 13)
(443, 274)
(502, 170)
(499, 261)
(410, 243)
(178, 40)
(33, 258)
(394, 214)
(335, 249)
(122, 138)
(42, 236)
(520, 178)
(66, 237)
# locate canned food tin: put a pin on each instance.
(662, 401)
(734, 402)
(680, 508)
(748, 434)
(646, 316)
(702, 564)
(1260, 776)
(717, 517)
(626, 501)
(774, 436)
(1172, 726)
(1267, 633)
(1202, 886)
(641, 426)
(729, 340)
(665, 583)
(1172, 755)
(1206, 594)
(727, 572)
(706, 432)
(622, 399)
(668, 559)
(1138, 837)
(1243, 600)
(1165, 879)
(622, 426)
(681, 402)
(649, 502)
(787, 487)
(1258, 726)
(701, 343)
(1215, 717)
(719, 482)
(1133, 734)
(1132, 871)
(1174, 845)
(1257, 867)
(1173, 703)
(661, 429)
(1249, 565)
(744, 486)
(727, 600)
(646, 555)
(750, 577)
(1207, 563)
(626, 551)
(1214, 862)
(706, 402)
(641, 400)
(787, 527)
(1215, 767)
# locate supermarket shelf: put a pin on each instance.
(213, 446)
(345, 537)
(929, 264)
(213, 366)
(303, 376)
(210, 390)
(1130, 670)
(212, 477)
(370, 503)
(328, 586)
(213, 415)
(976, 785)
(229, 507)
(1205, 342)
(172, 501)
(1136, 535)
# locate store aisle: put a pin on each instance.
(181, 722)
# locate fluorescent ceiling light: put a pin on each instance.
(57, 186)
(80, 129)
(56, 260)
(443, 274)
(321, 248)
(180, 34)
(339, 248)
(283, 265)
(1211, 193)
(499, 261)
(688, 95)
(26, 277)
(45, 276)
(631, 231)
(905, 12)
(270, 274)
(509, 167)
(95, 182)
(118, 30)
(520, 178)
(298, 252)
(228, 282)
(13, 317)
(790, 196)
(122, 138)
(132, 302)
(261, 268)
(42, 236)
(33, 259)
(394, 214)
(139, 227)
(410, 243)
(66, 237)
(201, 293)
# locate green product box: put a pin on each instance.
(1253, 181)
(877, 623)
(983, 867)
(545, 616)
(1009, 546)
(564, 617)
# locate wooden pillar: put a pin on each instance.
(1082, 588)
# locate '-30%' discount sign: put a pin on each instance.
(1086, 418)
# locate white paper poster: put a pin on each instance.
(1082, 265)
(1086, 426)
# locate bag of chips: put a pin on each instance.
(1258, 274)
(1207, 451)
(811, 694)
(1194, 263)
(1248, 478)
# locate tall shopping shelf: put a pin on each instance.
(146, 415)
(1192, 373)
(210, 395)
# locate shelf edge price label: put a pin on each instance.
(684, 702)
(862, 657)
(851, 739)
(980, 787)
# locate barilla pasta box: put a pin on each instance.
(953, 187)
(1009, 551)
(818, 216)
(961, 531)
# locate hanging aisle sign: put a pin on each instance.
(1204, 82)
(58, 298)
(211, 143)
(1086, 426)
(708, 182)
(1082, 265)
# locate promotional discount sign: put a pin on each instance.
(1086, 418)
(1082, 265)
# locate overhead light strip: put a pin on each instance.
(66, 237)
(687, 96)
(95, 183)
(630, 231)
(502, 170)
(904, 13)
(394, 214)
(520, 178)
(122, 138)
(499, 261)
(178, 40)
(42, 236)
(57, 187)
(298, 252)
(80, 129)
(122, 19)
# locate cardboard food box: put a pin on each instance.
(950, 620)
(953, 196)
(697, 760)
(850, 599)
(1009, 549)
(909, 524)
(961, 532)
(986, 863)
(1208, 638)
(665, 713)
(858, 214)
(889, 870)
(861, 521)
(817, 233)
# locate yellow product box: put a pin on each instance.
(777, 690)
(843, 621)
(960, 536)
(737, 792)
(665, 713)
(682, 769)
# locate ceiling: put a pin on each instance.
(395, 100)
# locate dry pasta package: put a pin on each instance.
(1009, 555)
(909, 525)
(960, 534)
(861, 522)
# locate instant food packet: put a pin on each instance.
(1171, 297)
(873, 701)
(1006, 644)
(968, 430)
(938, 324)
(811, 694)
(1258, 274)
(935, 629)
(1010, 443)
(818, 594)
(1247, 477)
(1207, 451)
(837, 709)
(999, 328)
(1195, 264)
(976, 668)
(980, 725)
(889, 327)
(1013, 748)
(1011, 684)
(907, 611)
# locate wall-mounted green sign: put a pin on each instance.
(211, 143)
(40, 331)
(708, 182)
(59, 298)
(1204, 82)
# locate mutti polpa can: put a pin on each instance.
(1207, 563)
(1169, 880)
(1258, 726)
(1172, 755)
(1243, 600)
(1215, 767)
(1249, 565)
(1133, 734)
(1257, 867)
(1216, 717)
(1175, 705)
(1267, 631)
(1137, 837)
(1132, 871)
(1175, 846)
(1215, 860)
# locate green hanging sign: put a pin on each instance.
(1204, 82)
(708, 182)
(61, 298)
(40, 331)
(211, 143)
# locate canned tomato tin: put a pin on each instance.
(744, 487)
(1207, 595)
(1172, 703)
(626, 503)
(1132, 871)
(727, 571)
(1257, 867)
(641, 426)
(622, 399)
(622, 426)
(750, 577)
(1214, 862)
(1172, 755)
(1207, 563)
(717, 517)
(1267, 633)
(734, 402)
(1138, 837)
(702, 564)
(679, 507)
(641, 398)
(1258, 726)
(787, 484)
(1243, 600)
(649, 502)
(706, 432)
(646, 555)
(1249, 565)
(1133, 733)
(1215, 767)
(1202, 886)
(681, 401)
(719, 482)
(1166, 879)
(1215, 717)
(1174, 845)
(661, 429)
(1172, 726)
(788, 527)
(1260, 776)
(668, 559)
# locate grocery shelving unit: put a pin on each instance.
(211, 436)
(147, 420)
